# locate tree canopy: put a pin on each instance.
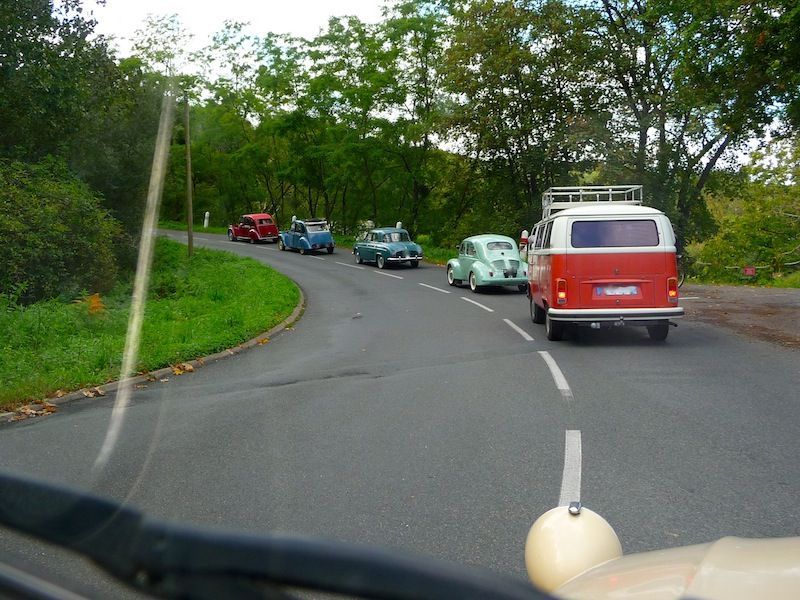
(449, 115)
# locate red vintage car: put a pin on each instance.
(258, 227)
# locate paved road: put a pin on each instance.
(402, 412)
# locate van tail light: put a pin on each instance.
(561, 291)
(672, 289)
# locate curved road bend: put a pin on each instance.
(395, 413)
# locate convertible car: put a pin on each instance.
(485, 260)
(258, 227)
(387, 245)
(307, 236)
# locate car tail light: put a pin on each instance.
(561, 291)
(672, 289)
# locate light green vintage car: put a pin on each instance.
(488, 260)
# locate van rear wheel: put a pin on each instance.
(658, 331)
(553, 329)
(537, 313)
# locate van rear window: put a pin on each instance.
(614, 234)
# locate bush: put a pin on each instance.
(56, 238)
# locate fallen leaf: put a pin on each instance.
(88, 393)
(59, 394)
(188, 367)
(49, 408)
(96, 305)
(98, 391)
(164, 380)
(263, 341)
(177, 369)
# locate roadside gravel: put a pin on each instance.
(769, 314)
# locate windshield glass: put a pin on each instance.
(162, 348)
(396, 236)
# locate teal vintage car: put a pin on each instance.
(387, 245)
(488, 260)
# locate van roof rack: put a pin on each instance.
(559, 198)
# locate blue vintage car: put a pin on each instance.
(485, 260)
(387, 245)
(309, 235)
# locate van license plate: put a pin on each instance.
(617, 290)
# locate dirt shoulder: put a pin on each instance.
(769, 314)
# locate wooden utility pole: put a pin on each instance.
(187, 138)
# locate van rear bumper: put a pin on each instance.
(592, 315)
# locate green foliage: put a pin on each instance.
(57, 239)
(758, 225)
(193, 310)
(53, 76)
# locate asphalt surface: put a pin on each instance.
(398, 412)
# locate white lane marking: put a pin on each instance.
(431, 287)
(571, 478)
(349, 265)
(689, 298)
(519, 330)
(558, 376)
(388, 274)
(318, 257)
(486, 308)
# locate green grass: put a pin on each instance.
(198, 228)
(195, 307)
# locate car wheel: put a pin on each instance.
(414, 263)
(231, 238)
(658, 331)
(473, 282)
(450, 279)
(357, 257)
(381, 261)
(281, 245)
(522, 287)
(303, 251)
(553, 329)
(252, 240)
(330, 250)
(537, 313)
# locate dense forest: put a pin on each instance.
(451, 116)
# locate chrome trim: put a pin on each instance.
(619, 314)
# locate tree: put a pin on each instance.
(54, 76)
(528, 107)
(685, 93)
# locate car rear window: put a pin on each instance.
(265, 221)
(317, 226)
(614, 234)
(499, 246)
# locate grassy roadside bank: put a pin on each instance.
(194, 308)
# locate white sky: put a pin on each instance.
(302, 18)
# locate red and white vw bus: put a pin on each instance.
(600, 258)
